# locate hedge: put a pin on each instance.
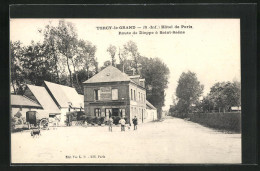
(223, 121)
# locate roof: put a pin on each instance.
(109, 74)
(22, 101)
(44, 98)
(64, 95)
(149, 105)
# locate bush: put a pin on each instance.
(18, 114)
(102, 120)
(222, 121)
(16, 121)
(95, 120)
(80, 115)
(24, 120)
(19, 121)
(13, 122)
(89, 119)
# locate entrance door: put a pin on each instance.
(115, 112)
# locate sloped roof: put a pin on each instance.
(19, 100)
(44, 98)
(65, 95)
(149, 105)
(109, 74)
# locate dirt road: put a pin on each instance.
(171, 141)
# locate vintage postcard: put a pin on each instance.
(125, 91)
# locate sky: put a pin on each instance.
(209, 47)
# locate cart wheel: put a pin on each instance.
(44, 124)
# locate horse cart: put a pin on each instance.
(37, 119)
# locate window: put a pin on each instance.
(139, 96)
(97, 112)
(114, 94)
(134, 96)
(131, 94)
(108, 112)
(96, 94)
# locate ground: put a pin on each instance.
(171, 141)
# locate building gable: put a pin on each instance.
(109, 74)
(43, 97)
(64, 95)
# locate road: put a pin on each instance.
(172, 141)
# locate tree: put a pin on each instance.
(123, 59)
(156, 75)
(207, 104)
(112, 51)
(188, 91)
(131, 49)
(224, 95)
(37, 65)
(52, 50)
(16, 54)
(86, 56)
(106, 64)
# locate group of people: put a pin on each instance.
(122, 123)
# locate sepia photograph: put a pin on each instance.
(125, 91)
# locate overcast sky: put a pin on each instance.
(211, 48)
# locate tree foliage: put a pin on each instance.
(156, 74)
(188, 91)
(60, 58)
(224, 95)
(16, 53)
(112, 51)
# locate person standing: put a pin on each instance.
(122, 122)
(110, 123)
(135, 123)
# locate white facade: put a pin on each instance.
(151, 115)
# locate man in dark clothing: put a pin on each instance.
(135, 123)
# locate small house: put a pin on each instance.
(42, 97)
(23, 104)
(151, 112)
(66, 99)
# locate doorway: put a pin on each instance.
(115, 111)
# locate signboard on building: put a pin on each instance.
(105, 93)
